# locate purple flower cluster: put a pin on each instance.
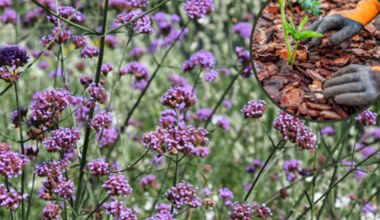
(119, 211)
(98, 167)
(89, 52)
(295, 131)
(240, 211)
(51, 211)
(64, 189)
(47, 106)
(149, 180)
(183, 194)
(175, 139)
(203, 114)
(68, 13)
(11, 163)
(79, 41)
(254, 109)
(243, 28)
(106, 68)
(179, 98)
(369, 208)
(9, 76)
(163, 213)
(82, 106)
(140, 72)
(169, 118)
(262, 211)
(101, 121)
(244, 60)
(13, 56)
(9, 16)
(226, 195)
(15, 116)
(10, 199)
(255, 165)
(117, 185)
(60, 139)
(97, 92)
(367, 118)
(128, 5)
(57, 35)
(202, 59)
(5, 3)
(142, 24)
(292, 168)
(196, 9)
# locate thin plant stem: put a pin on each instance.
(91, 114)
(97, 207)
(175, 178)
(285, 29)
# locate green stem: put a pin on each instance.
(285, 30)
(175, 178)
(91, 114)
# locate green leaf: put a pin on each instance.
(303, 22)
(309, 34)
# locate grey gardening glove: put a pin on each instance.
(346, 27)
(354, 85)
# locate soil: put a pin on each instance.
(298, 88)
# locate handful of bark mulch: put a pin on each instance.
(298, 88)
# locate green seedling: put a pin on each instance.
(311, 6)
(296, 33)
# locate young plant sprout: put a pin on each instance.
(296, 33)
(311, 6)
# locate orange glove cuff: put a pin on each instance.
(364, 13)
(376, 68)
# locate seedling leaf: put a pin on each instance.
(308, 34)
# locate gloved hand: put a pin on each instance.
(348, 23)
(354, 85)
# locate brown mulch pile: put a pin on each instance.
(298, 89)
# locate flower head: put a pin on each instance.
(51, 211)
(119, 211)
(196, 9)
(89, 52)
(13, 56)
(254, 109)
(97, 92)
(108, 137)
(10, 199)
(202, 58)
(142, 24)
(179, 98)
(117, 185)
(98, 167)
(101, 121)
(12, 164)
(63, 138)
(183, 194)
(367, 118)
(240, 211)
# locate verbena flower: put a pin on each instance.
(107, 137)
(47, 106)
(106, 68)
(79, 41)
(97, 92)
(178, 81)
(138, 70)
(292, 168)
(62, 138)
(162, 213)
(176, 139)
(9, 16)
(51, 211)
(13, 56)
(196, 9)
(32, 16)
(101, 121)
(89, 52)
(136, 53)
(211, 76)
(119, 211)
(5, 3)
(255, 165)
(183, 194)
(262, 211)
(98, 167)
(69, 13)
(10, 199)
(203, 59)
(127, 5)
(367, 118)
(254, 109)
(86, 80)
(12, 163)
(51, 169)
(328, 130)
(111, 41)
(243, 28)
(240, 211)
(368, 208)
(203, 114)
(223, 122)
(9, 76)
(294, 130)
(226, 195)
(142, 25)
(117, 185)
(15, 116)
(65, 189)
(169, 118)
(149, 180)
(179, 98)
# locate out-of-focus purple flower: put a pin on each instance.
(203, 114)
(223, 122)
(175, 139)
(367, 151)
(226, 195)
(65, 189)
(9, 16)
(102, 120)
(13, 56)
(108, 137)
(9, 76)
(369, 208)
(111, 41)
(136, 53)
(70, 154)
(179, 98)
(98, 167)
(82, 112)
(169, 118)
(254, 109)
(178, 81)
(243, 28)
(60, 36)
(15, 116)
(128, 5)
(51, 211)
(5, 3)
(202, 58)
(86, 80)
(256, 164)
(241, 211)
(262, 211)
(149, 180)
(10, 199)
(62, 138)
(292, 168)
(224, 71)
(138, 70)
(294, 130)
(183, 194)
(142, 25)
(97, 92)
(367, 118)
(68, 13)
(244, 60)
(207, 192)
(47, 106)
(211, 75)
(119, 211)
(33, 15)
(12, 164)
(117, 185)
(43, 64)
(79, 41)
(89, 52)
(106, 68)
(328, 130)
(200, 151)
(4, 147)
(158, 160)
(196, 9)
(163, 213)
